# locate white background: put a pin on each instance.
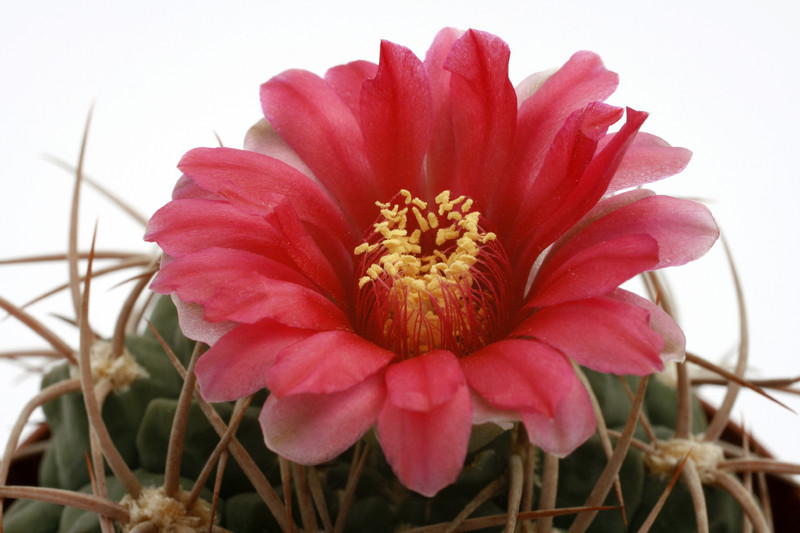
(720, 78)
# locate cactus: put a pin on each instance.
(134, 447)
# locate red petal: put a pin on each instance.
(262, 138)
(397, 120)
(317, 124)
(327, 362)
(648, 159)
(195, 327)
(581, 80)
(483, 107)
(185, 226)
(439, 164)
(250, 179)
(424, 383)
(572, 423)
(237, 364)
(307, 256)
(602, 333)
(425, 425)
(593, 271)
(348, 80)
(314, 428)
(198, 275)
(250, 298)
(567, 159)
(660, 322)
(519, 375)
(584, 196)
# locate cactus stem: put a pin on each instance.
(115, 460)
(72, 240)
(60, 346)
(651, 518)
(530, 479)
(549, 490)
(720, 420)
(360, 455)
(116, 200)
(606, 480)
(79, 500)
(319, 499)
(304, 501)
(515, 491)
(249, 467)
(172, 469)
(123, 319)
(221, 449)
(744, 499)
(731, 377)
(651, 435)
(486, 492)
(286, 484)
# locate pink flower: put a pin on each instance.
(418, 246)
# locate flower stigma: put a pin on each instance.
(431, 278)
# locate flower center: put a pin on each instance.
(431, 279)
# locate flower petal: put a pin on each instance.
(348, 80)
(317, 124)
(185, 226)
(397, 120)
(593, 271)
(602, 333)
(425, 425)
(327, 362)
(483, 113)
(648, 159)
(581, 80)
(250, 178)
(313, 428)
(262, 138)
(519, 375)
(660, 322)
(572, 423)
(237, 364)
(197, 276)
(195, 327)
(250, 298)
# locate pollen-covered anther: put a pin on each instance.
(426, 280)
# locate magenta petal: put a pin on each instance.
(250, 179)
(348, 80)
(325, 363)
(237, 364)
(262, 138)
(314, 428)
(604, 334)
(197, 276)
(317, 124)
(423, 383)
(250, 298)
(184, 226)
(648, 159)
(572, 423)
(397, 120)
(518, 375)
(660, 322)
(593, 271)
(581, 80)
(483, 113)
(425, 425)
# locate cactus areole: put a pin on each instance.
(419, 246)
